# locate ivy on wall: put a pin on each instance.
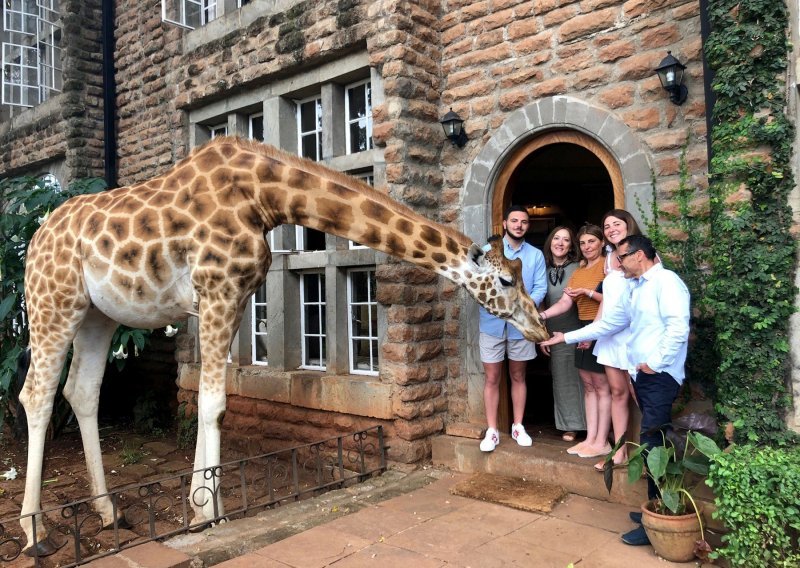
(751, 294)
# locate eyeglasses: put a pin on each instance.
(621, 257)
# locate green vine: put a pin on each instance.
(751, 296)
(680, 235)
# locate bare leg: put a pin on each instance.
(519, 388)
(619, 382)
(590, 406)
(491, 392)
(599, 408)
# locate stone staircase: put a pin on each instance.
(547, 461)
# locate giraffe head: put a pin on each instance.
(498, 287)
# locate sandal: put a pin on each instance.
(568, 436)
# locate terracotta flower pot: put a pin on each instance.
(673, 537)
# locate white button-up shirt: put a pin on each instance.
(656, 308)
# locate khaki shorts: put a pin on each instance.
(493, 349)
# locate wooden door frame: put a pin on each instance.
(501, 197)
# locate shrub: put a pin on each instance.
(757, 492)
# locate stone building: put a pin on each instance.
(562, 112)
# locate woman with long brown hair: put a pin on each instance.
(581, 290)
(561, 259)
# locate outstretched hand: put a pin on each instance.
(557, 338)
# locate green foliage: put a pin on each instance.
(751, 296)
(669, 467)
(24, 204)
(757, 492)
(131, 455)
(148, 415)
(121, 344)
(187, 427)
(680, 235)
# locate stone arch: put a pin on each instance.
(546, 121)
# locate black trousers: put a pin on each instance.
(655, 393)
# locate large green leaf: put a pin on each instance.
(704, 444)
(657, 461)
(671, 500)
(6, 305)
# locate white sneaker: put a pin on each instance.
(520, 435)
(490, 441)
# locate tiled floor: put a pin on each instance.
(431, 528)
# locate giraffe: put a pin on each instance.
(192, 241)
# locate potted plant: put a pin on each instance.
(673, 522)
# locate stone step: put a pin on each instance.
(547, 461)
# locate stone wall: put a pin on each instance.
(69, 126)
(501, 56)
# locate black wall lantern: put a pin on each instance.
(454, 128)
(670, 72)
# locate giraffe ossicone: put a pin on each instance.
(192, 241)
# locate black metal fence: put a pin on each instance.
(158, 509)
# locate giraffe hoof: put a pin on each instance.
(44, 547)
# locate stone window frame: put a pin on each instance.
(277, 103)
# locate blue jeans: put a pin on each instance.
(655, 393)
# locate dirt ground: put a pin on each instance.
(129, 458)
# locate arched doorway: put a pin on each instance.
(563, 178)
(580, 156)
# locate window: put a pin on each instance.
(368, 178)
(309, 128)
(312, 320)
(358, 107)
(51, 182)
(363, 328)
(188, 13)
(31, 51)
(259, 323)
(256, 127)
(218, 130)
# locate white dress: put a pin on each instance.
(612, 350)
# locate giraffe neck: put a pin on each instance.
(301, 192)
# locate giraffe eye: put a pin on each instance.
(505, 282)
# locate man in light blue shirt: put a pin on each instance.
(657, 311)
(498, 337)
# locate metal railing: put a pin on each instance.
(160, 508)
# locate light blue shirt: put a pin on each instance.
(656, 308)
(534, 278)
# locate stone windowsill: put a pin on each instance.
(350, 394)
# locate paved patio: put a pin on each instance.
(430, 528)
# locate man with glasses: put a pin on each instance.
(657, 311)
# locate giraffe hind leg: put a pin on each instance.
(36, 397)
(90, 349)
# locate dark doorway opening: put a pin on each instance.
(560, 184)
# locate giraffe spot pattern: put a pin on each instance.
(336, 216)
(404, 226)
(431, 236)
(376, 211)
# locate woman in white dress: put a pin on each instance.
(612, 351)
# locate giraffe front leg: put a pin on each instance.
(216, 326)
(206, 491)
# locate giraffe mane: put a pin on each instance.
(325, 172)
